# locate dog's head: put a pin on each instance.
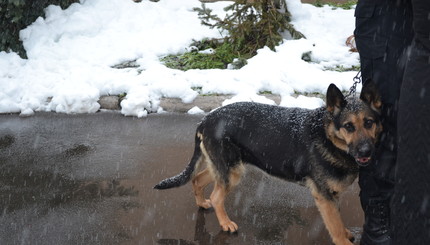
(354, 124)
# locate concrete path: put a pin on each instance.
(87, 179)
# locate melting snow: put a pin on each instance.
(71, 54)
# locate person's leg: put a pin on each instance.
(376, 187)
(376, 181)
(411, 198)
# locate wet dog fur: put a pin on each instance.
(319, 148)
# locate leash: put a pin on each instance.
(356, 80)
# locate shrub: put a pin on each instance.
(251, 25)
(15, 15)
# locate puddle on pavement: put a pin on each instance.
(96, 188)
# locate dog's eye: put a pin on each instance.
(368, 123)
(349, 127)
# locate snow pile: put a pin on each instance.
(195, 110)
(71, 53)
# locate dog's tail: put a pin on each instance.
(185, 176)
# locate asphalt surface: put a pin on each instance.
(87, 179)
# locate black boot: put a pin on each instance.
(377, 222)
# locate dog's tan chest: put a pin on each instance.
(337, 186)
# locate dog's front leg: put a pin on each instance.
(332, 220)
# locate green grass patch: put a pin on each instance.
(344, 5)
(122, 96)
(341, 68)
(199, 90)
(221, 56)
(309, 94)
(265, 92)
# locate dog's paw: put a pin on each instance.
(343, 241)
(349, 235)
(229, 226)
(206, 204)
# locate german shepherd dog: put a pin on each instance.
(321, 148)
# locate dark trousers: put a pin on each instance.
(411, 199)
(383, 33)
(377, 179)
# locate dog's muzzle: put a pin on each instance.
(363, 154)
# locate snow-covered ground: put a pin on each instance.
(71, 53)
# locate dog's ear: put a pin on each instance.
(370, 95)
(335, 99)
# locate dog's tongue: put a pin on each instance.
(363, 160)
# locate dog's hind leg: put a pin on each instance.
(225, 165)
(200, 181)
(219, 194)
(217, 199)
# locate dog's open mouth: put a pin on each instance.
(362, 161)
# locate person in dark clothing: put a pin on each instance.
(411, 199)
(383, 33)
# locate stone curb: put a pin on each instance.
(205, 102)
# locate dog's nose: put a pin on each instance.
(364, 150)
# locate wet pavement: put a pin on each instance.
(87, 179)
